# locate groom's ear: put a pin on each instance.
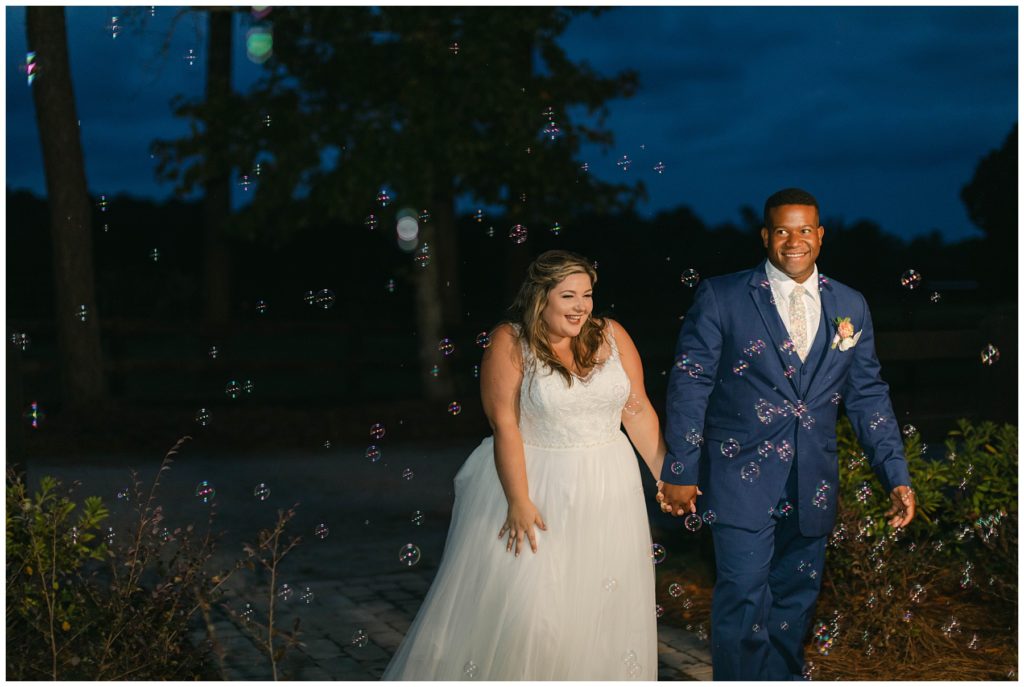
(764, 236)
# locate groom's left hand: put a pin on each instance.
(903, 506)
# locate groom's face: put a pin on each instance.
(793, 239)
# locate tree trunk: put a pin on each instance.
(81, 358)
(217, 201)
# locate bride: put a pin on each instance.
(547, 573)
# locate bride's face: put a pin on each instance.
(568, 306)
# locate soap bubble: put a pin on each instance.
(34, 415)
(765, 448)
(123, 495)
(377, 430)
(709, 517)
(694, 437)
(787, 346)
(306, 596)
(82, 313)
(453, 48)
(154, 255)
(556, 228)
(836, 398)
(910, 280)
(435, 371)
(659, 610)
(213, 352)
(750, 472)
(789, 371)
(422, 257)
(624, 163)
(20, 340)
(360, 638)
(247, 614)
(389, 286)
(753, 348)
(676, 467)
(936, 297)
(384, 197)
(261, 307)
(675, 590)
(324, 299)
(918, 593)
(551, 131)
(740, 367)
(658, 553)
(248, 386)
(864, 492)
(690, 277)
(659, 168)
(876, 421)
(518, 234)
(610, 584)
(190, 58)
(202, 417)
(989, 355)
(476, 372)
(446, 347)
(454, 408)
(205, 491)
(372, 453)
(261, 491)
(909, 430)
(417, 518)
(408, 474)
(765, 411)
(469, 670)
(321, 531)
(820, 499)
(409, 555)
(692, 522)
(730, 448)
(371, 222)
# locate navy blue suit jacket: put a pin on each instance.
(734, 379)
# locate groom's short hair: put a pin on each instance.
(788, 196)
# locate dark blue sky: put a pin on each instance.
(881, 112)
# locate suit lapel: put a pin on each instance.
(761, 293)
(828, 357)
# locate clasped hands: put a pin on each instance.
(677, 499)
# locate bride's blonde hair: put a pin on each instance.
(543, 274)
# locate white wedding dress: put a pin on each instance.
(582, 607)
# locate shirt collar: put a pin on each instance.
(784, 285)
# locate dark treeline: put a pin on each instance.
(640, 262)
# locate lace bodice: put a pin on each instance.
(553, 414)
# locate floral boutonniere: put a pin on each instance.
(845, 339)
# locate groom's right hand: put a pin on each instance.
(678, 499)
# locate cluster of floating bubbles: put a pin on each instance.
(684, 364)
(820, 499)
(633, 667)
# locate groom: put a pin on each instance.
(763, 361)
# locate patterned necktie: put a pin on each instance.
(798, 321)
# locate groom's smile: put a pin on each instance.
(793, 239)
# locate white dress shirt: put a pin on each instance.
(782, 286)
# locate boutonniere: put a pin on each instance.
(845, 339)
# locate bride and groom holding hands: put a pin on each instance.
(763, 361)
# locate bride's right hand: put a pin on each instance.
(519, 522)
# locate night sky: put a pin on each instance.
(881, 112)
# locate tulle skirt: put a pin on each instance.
(581, 608)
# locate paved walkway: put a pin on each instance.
(371, 510)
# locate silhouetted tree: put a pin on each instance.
(433, 104)
(78, 329)
(991, 201)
